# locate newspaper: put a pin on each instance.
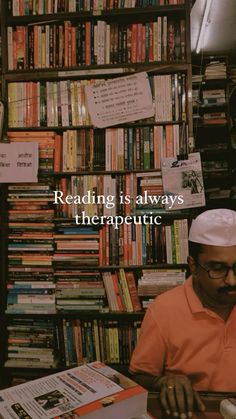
(57, 394)
(183, 179)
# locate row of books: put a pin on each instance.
(154, 282)
(130, 245)
(30, 248)
(144, 244)
(77, 44)
(210, 97)
(217, 193)
(109, 149)
(28, 7)
(116, 290)
(121, 291)
(116, 148)
(32, 344)
(31, 287)
(214, 97)
(213, 168)
(63, 103)
(46, 147)
(104, 195)
(109, 341)
(80, 296)
(219, 118)
(41, 343)
(214, 70)
(169, 93)
(31, 243)
(119, 288)
(30, 211)
(211, 118)
(35, 297)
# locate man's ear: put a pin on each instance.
(192, 265)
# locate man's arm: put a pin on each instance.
(150, 382)
(148, 368)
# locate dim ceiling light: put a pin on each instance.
(203, 25)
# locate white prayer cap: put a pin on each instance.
(215, 227)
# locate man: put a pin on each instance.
(188, 336)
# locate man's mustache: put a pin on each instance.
(227, 289)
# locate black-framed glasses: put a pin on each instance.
(219, 272)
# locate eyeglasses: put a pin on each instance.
(220, 272)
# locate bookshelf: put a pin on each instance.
(98, 264)
(232, 95)
(212, 127)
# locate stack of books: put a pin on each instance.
(214, 97)
(216, 70)
(109, 341)
(32, 344)
(154, 282)
(30, 248)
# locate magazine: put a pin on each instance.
(90, 391)
(183, 180)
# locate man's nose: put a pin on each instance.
(231, 278)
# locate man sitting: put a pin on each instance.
(188, 335)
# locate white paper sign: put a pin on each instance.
(120, 100)
(18, 162)
(184, 178)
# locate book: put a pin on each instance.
(89, 391)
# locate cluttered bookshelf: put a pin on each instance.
(232, 91)
(212, 108)
(76, 291)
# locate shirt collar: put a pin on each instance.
(195, 303)
(193, 300)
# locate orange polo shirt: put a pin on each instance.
(180, 336)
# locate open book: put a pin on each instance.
(92, 391)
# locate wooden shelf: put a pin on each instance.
(121, 316)
(158, 67)
(96, 14)
(80, 127)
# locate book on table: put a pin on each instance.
(91, 391)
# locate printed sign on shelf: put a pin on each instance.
(120, 100)
(184, 178)
(18, 162)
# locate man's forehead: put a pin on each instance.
(218, 253)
